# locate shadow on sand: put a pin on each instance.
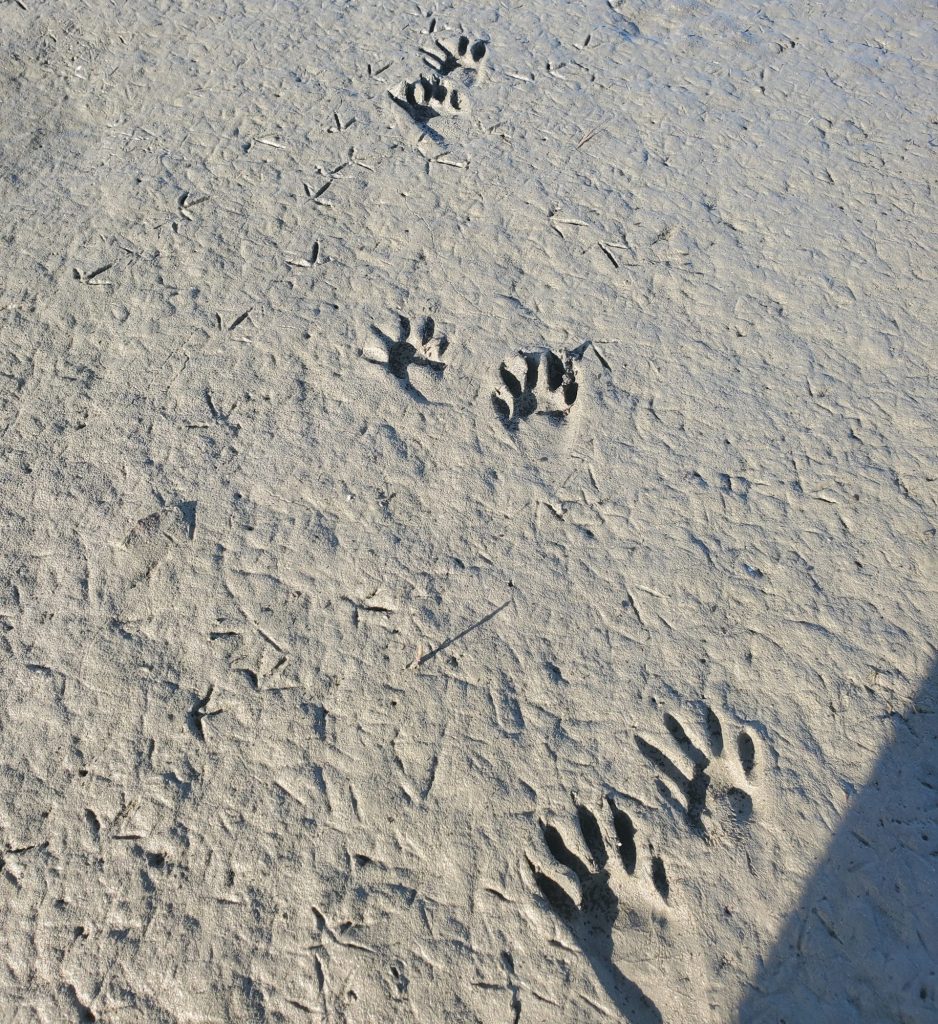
(862, 946)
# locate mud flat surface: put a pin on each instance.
(468, 504)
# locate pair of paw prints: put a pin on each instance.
(537, 382)
(620, 910)
(438, 94)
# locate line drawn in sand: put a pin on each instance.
(422, 658)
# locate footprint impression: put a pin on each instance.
(616, 908)
(538, 382)
(455, 67)
(423, 350)
(151, 540)
(429, 96)
(464, 55)
(708, 786)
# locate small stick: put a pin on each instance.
(591, 134)
(611, 258)
(448, 643)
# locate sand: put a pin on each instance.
(469, 512)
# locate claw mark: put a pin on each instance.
(625, 837)
(747, 752)
(660, 877)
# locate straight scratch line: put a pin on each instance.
(448, 643)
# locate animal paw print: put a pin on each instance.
(466, 55)
(705, 779)
(620, 914)
(152, 540)
(423, 350)
(539, 382)
(428, 97)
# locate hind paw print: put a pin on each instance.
(618, 912)
(694, 782)
(539, 382)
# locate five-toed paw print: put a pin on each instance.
(617, 911)
(447, 57)
(429, 96)
(424, 350)
(536, 382)
(703, 781)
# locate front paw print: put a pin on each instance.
(423, 350)
(705, 780)
(447, 58)
(620, 913)
(539, 382)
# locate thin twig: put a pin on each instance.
(448, 643)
